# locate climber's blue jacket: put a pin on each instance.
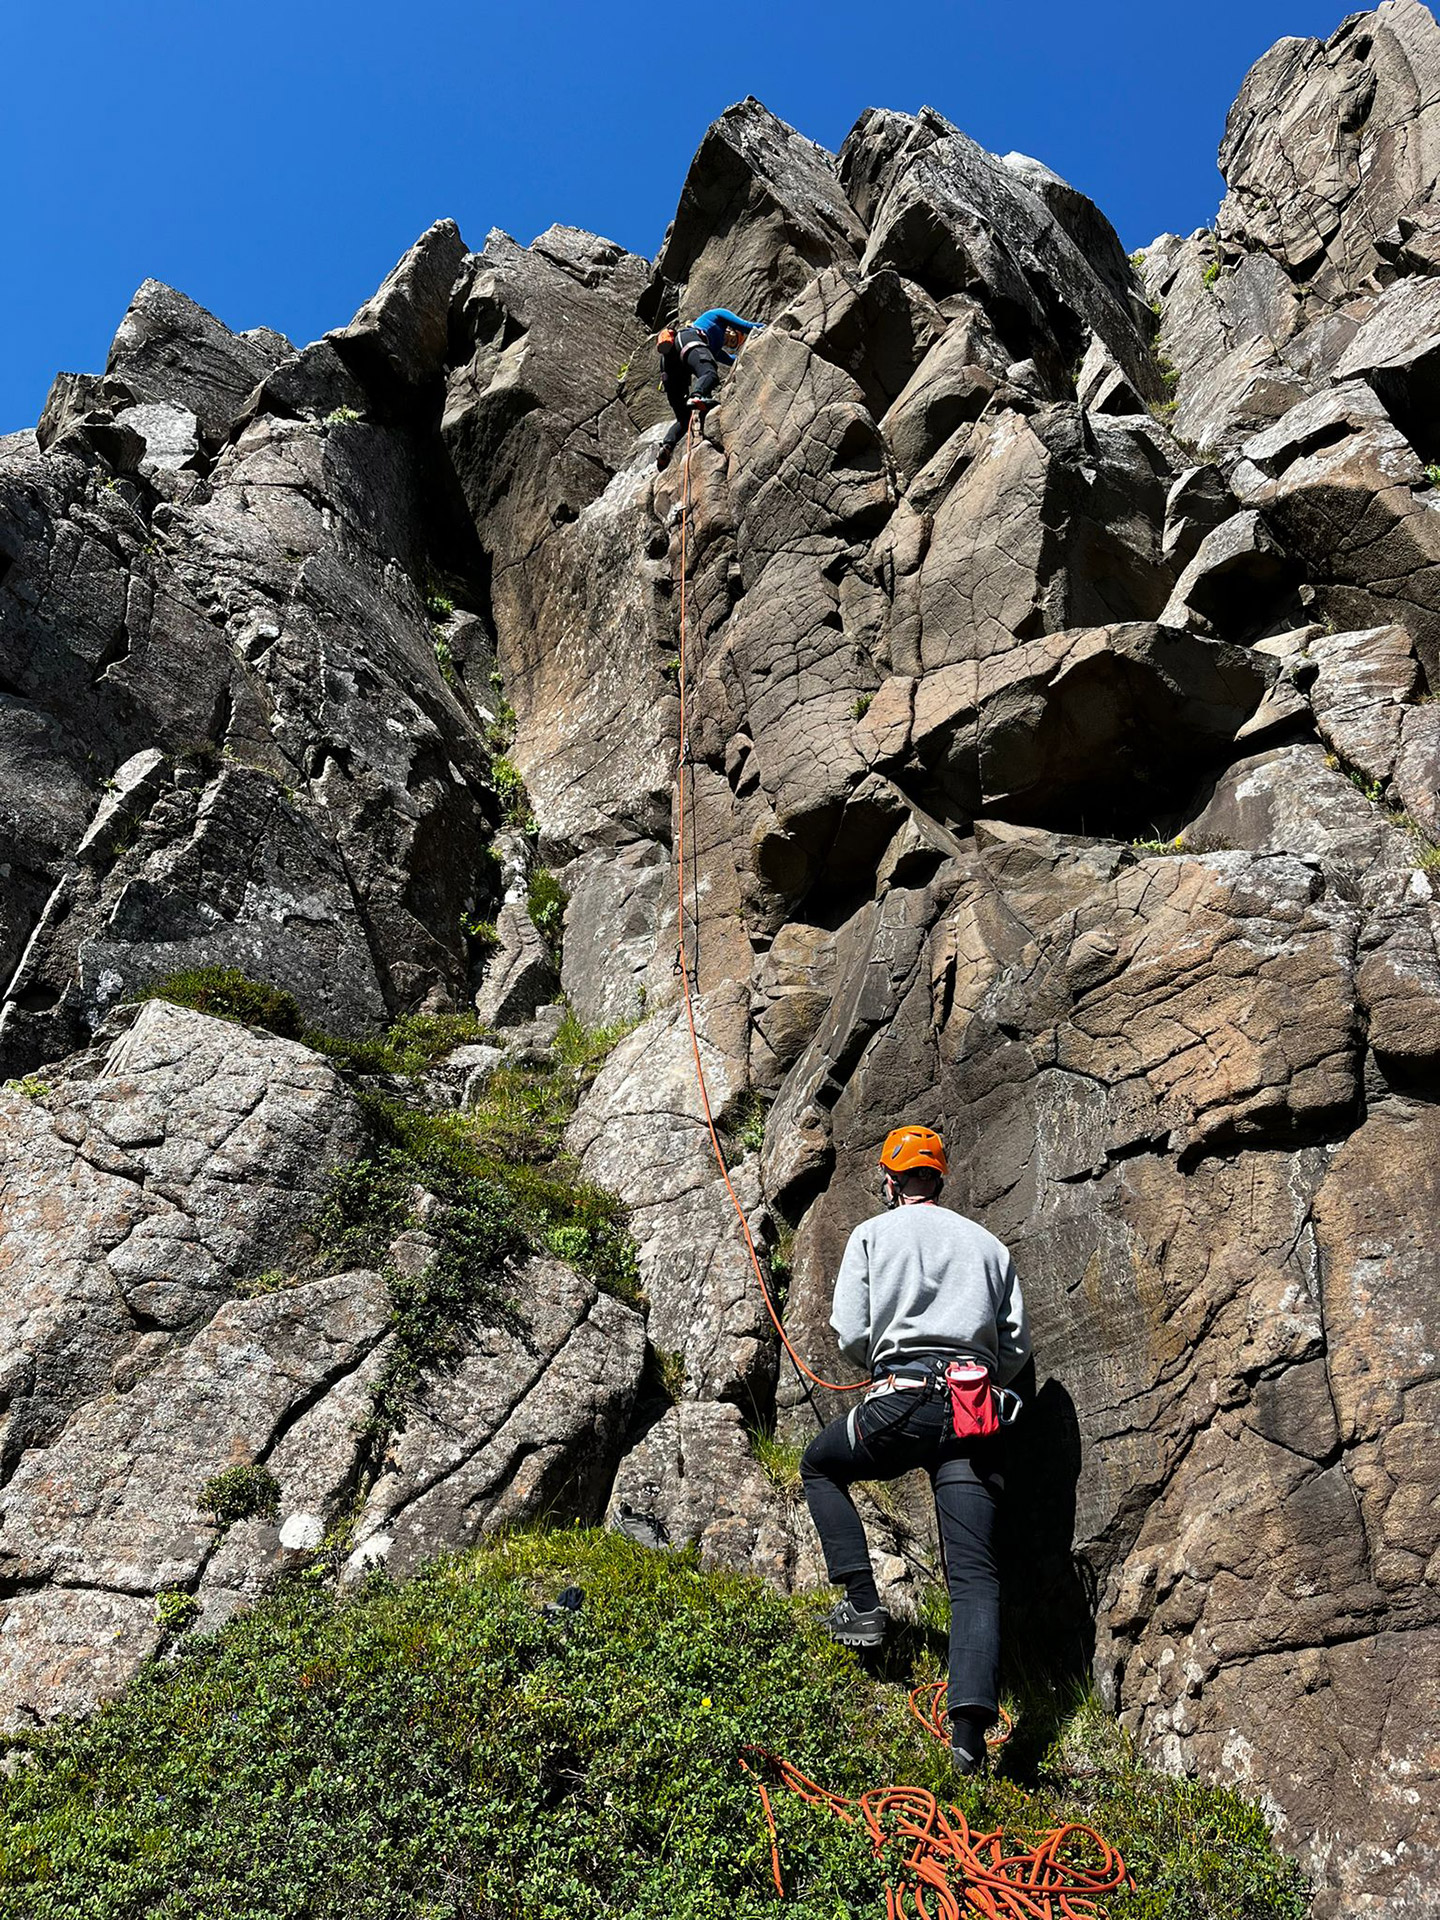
(713, 322)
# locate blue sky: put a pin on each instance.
(274, 160)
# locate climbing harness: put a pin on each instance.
(950, 1872)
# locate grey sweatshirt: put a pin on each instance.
(921, 1280)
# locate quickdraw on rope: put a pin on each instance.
(831, 1386)
(949, 1871)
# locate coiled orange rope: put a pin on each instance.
(949, 1871)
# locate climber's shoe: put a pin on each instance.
(702, 402)
(967, 1740)
(662, 458)
(852, 1628)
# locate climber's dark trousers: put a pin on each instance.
(895, 1434)
(677, 370)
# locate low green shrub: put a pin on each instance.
(546, 903)
(175, 1610)
(745, 1128)
(498, 1170)
(482, 933)
(245, 1492)
(443, 1749)
(509, 784)
(668, 1371)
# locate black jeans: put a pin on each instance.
(894, 1434)
(677, 370)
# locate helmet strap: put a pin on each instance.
(889, 1192)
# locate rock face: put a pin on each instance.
(145, 1186)
(1060, 767)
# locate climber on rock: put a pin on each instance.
(690, 361)
(929, 1302)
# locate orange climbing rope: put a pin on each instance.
(832, 1386)
(927, 1703)
(949, 1871)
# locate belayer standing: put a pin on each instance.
(690, 361)
(929, 1302)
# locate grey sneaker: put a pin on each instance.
(964, 1762)
(852, 1628)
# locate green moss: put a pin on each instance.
(269, 1280)
(341, 417)
(442, 1749)
(862, 705)
(1211, 273)
(227, 994)
(439, 606)
(240, 1493)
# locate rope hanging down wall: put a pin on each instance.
(946, 1864)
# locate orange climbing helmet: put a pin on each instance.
(909, 1148)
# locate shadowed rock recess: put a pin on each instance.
(1063, 633)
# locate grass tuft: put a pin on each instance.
(779, 1461)
(227, 994)
(414, 1042)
